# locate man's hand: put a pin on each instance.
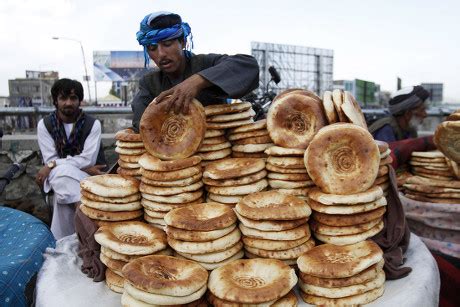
(42, 174)
(181, 95)
(94, 170)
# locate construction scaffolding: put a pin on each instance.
(299, 67)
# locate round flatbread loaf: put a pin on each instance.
(287, 254)
(236, 154)
(254, 140)
(198, 236)
(214, 265)
(237, 181)
(368, 196)
(218, 109)
(231, 124)
(165, 275)
(225, 199)
(293, 120)
(204, 247)
(332, 261)
(210, 133)
(353, 300)
(258, 125)
(223, 118)
(130, 151)
(252, 281)
(129, 158)
(352, 110)
(329, 108)
(286, 235)
(170, 136)
(171, 175)
(164, 191)
(286, 162)
(152, 163)
(201, 217)
(110, 185)
(347, 209)
(215, 155)
(324, 229)
(270, 225)
(175, 183)
(249, 134)
(272, 205)
(337, 220)
(288, 177)
(215, 257)
(130, 172)
(273, 245)
(343, 159)
(214, 140)
(285, 184)
(251, 148)
(277, 169)
(165, 207)
(446, 137)
(350, 239)
(129, 144)
(110, 206)
(175, 199)
(428, 154)
(337, 99)
(282, 151)
(131, 238)
(138, 298)
(233, 168)
(128, 165)
(115, 265)
(114, 281)
(239, 189)
(114, 200)
(214, 147)
(110, 215)
(128, 135)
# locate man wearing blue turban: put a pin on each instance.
(182, 75)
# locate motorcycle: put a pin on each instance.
(260, 104)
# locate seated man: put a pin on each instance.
(211, 78)
(70, 142)
(408, 110)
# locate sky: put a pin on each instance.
(415, 40)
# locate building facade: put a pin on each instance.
(298, 66)
(436, 92)
(34, 90)
(367, 93)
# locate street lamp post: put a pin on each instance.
(84, 61)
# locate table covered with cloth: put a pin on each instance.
(23, 240)
(61, 283)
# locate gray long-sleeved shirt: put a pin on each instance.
(231, 76)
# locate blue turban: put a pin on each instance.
(147, 35)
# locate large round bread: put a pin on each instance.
(231, 124)
(254, 140)
(329, 108)
(110, 185)
(283, 170)
(273, 245)
(347, 209)
(195, 299)
(128, 135)
(353, 300)
(236, 181)
(352, 110)
(258, 125)
(288, 177)
(198, 236)
(286, 235)
(337, 99)
(170, 136)
(370, 195)
(287, 254)
(293, 120)
(231, 117)
(233, 168)
(201, 217)
(240, 189)
(152, 163)
(215, 155)
(114, 281)
(249, 134)
(324, 229)
(332, 261)
(204, 247)
(165, 275)
(217, 109)
(131, 238)
(214, 265)
(112, 200)
(270, 225)
(174, 183)
(282, 151)
(171, 175)
(164, 191)
(176, 198)
(447, 139)
(343, 159)
(113, 216)
(110, 206)
(166, 207)
(252, 281)
(215, 257)
(272, 205)
(348, 219)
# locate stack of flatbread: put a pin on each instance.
(432, 190)
(124, 241)
(163, 280)
(109, 198)
(250, 141)
(215, 146)
(342, 275)
(253, 282)
(130, 149)
(166, 185)
(343, 162)
(347, 219)
(205, 233)
(287, 172)
(432, 165)
(274, 225)
(340, 106)
(383, 179)
(229, 180)
(446, 137)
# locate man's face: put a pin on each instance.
(418, 115)
(68, 105)
(167, 55)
